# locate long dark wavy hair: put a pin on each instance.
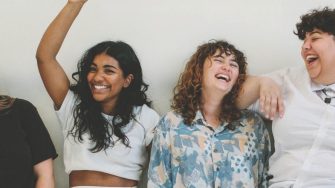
(87, 113)
(322, 19)
(187, 93)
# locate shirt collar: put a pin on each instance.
(316, 87)
(199, 119)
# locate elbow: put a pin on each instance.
(43, 57)
(40, 57)
(240, 105)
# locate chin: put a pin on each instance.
(98, 99)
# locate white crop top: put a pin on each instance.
(119, 160)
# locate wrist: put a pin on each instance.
(76, 3)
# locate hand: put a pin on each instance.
(270, 100)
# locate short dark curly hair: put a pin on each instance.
(322, 19)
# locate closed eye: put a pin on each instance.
(218, 59)
(234, 64)
(315, 38)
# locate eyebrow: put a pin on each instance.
(220, 56)
(105, 66)
(315, 32)
(216, 56)
(109, 66)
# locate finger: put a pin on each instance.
(273, 107)
(281, 107)
(267, 107)
(262, 103)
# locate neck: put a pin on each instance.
(211, 109)
(108, 108)
(325, 80)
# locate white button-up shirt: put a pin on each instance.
(304, 138)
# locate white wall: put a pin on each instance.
(164, 33)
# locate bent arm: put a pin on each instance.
(267, 91)
(54, 78)
(249, 93)
(44, 174)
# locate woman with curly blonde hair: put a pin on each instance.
(206, 141)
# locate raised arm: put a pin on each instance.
(267, 91)
(53, 76)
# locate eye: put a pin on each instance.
(314, 38)
(218, 60)
(234, 64)
(109, 71)
(92, 69)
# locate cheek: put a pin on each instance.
(302, 52)
(89, 77)
(235, 75)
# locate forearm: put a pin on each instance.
(56, 32)
(249, 92)
(267, 91)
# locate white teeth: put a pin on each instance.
(311, 58)
(223, 77)
(100, 87)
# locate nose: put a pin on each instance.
(226, 66)
(306, 45)
(98, 76)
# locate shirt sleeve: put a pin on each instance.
(38, 138)
(160, 172)
(149, 118)
(264, 149)
(65, 112)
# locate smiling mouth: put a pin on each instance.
(311, 58)
(223, 77)
(96, 87)
(99, 87)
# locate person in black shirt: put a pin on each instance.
(26, 149)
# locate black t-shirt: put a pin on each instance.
(24, 142)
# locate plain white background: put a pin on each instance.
(164, 33)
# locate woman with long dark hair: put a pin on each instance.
(106, 117)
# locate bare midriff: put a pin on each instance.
(95, 178)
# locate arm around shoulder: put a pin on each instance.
(267, 91)
(249, 93)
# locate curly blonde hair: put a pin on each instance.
(187, 93)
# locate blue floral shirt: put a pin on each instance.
(198, 156)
